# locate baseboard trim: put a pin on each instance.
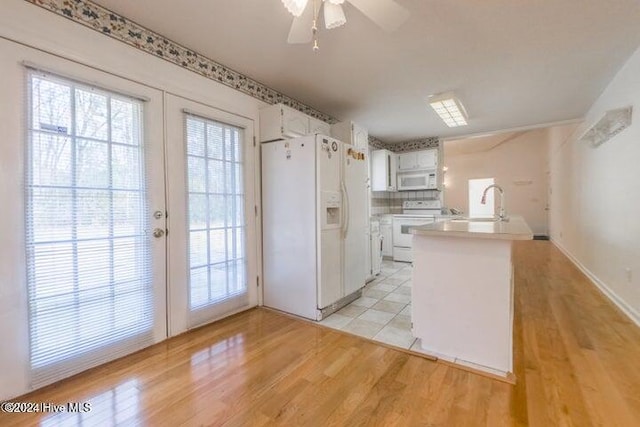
(613, 297)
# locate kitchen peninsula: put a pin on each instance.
(462, 291)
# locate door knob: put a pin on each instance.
(158, 232)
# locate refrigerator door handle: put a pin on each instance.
(345, 210)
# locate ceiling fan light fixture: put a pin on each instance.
(333, 15)
(295, 7)
(450, 109)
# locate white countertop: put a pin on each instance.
(437, 215)
(514, 229)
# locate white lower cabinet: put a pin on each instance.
(386, 231)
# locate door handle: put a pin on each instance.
(158, 232)
(346, 210)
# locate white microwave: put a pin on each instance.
(424, 180)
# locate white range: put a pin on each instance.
(414, 213)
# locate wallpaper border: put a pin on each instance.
(415, 144)
(103, 20)
(405, 146)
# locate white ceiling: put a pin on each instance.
(512, 63)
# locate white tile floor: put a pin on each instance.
(383, 313)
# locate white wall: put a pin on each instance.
(595, 200)
(519, 165)
(31, 33)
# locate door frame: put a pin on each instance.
(175, 182)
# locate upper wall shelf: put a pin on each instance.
(612, 123)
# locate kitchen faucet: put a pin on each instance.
(502, 216)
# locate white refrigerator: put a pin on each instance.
(314, 223)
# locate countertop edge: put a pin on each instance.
(472, 235)
(521, 230)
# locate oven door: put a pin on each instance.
(402, 236)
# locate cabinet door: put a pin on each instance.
(359, 137)
(407, 161)
(387, 240)
(294, 123)
(383, 170)
(318, 126)
(378, 170)
(392, 168)
(427, 159)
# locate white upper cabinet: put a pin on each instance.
(383, 171)
(427, 159)
(351, 133)
(360, 137)
(417, 160)
(318, 126)
(294, 123)
(407, 161)
(281, 122)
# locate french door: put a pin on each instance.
(211, 177)
(93, 178)
(138, 212)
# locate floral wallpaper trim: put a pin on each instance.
(377, 144)
(109, 23)
(413, 145)
(402, 147)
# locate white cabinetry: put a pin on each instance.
(351, 133)
(415, 160)
(407, 161)
(281, 122)
(318, 126)
(374, 260)
(386, 231)
(383, 170)
(427, 159)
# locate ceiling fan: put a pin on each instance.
(387, 14)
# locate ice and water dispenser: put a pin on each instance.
(331, 209)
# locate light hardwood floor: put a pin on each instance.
(577, 363)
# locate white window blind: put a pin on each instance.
(216, 225)
(87, 243)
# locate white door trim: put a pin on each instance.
(175, 175)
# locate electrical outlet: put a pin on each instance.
(629, 274)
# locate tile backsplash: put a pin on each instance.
(380, 203)
(391, 203)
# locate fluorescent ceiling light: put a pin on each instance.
(612, 123)
(450, 109)
(295, 7)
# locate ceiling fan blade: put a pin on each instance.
(300, 31)
(387, 14)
